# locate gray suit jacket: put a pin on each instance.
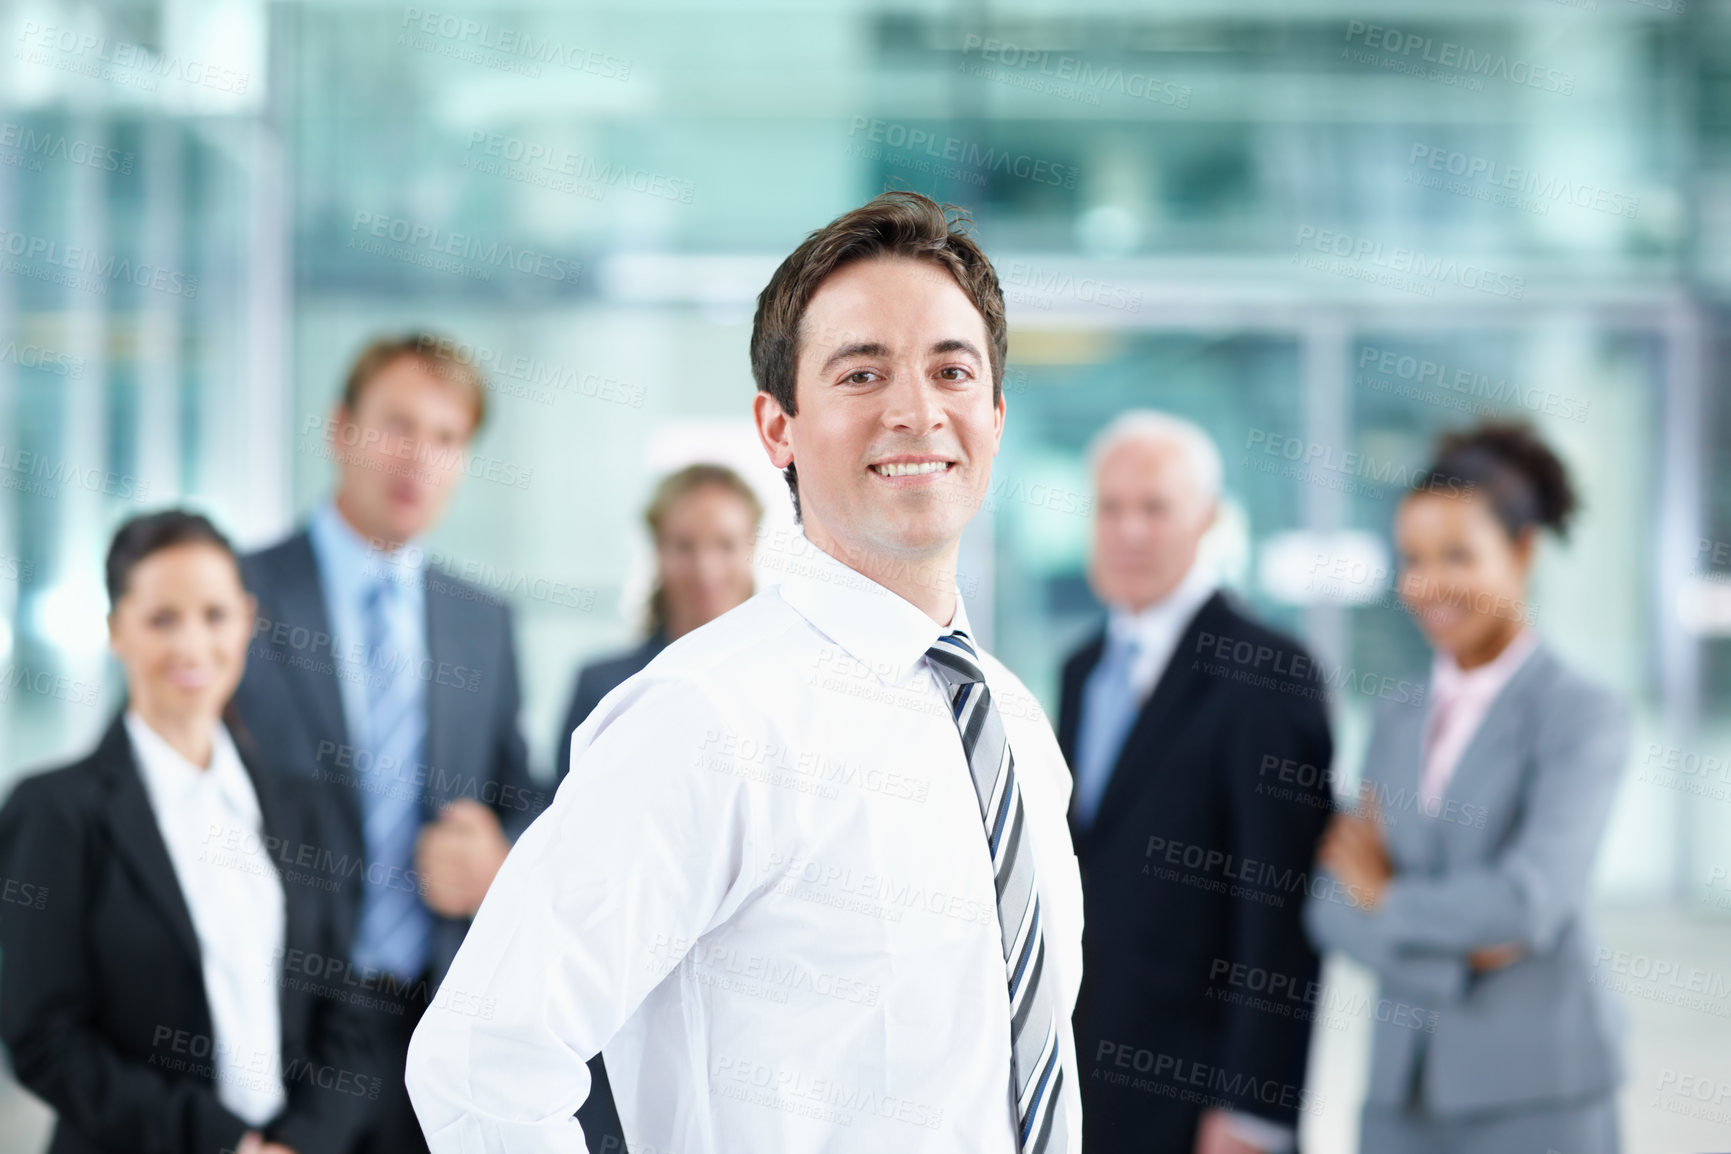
(1506, 858)
(291, 703)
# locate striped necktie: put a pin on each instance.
(1036, 1075)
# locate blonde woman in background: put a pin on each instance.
(704, 519)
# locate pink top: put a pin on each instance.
(1460, 698)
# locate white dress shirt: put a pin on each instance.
(765, 888)
(214, 831)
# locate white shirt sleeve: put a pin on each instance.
(640, 853)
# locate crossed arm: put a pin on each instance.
(1428, 933)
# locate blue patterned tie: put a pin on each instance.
(395, 926)
(1109, 708)
(1036, 1075)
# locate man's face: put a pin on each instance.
(1149, 520)
(896, 428)
(402, 451)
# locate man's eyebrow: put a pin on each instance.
(876, 349)
(956, 345)
(857, 349)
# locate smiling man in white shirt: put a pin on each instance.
(809, 880)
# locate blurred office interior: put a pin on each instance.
(1196, 206)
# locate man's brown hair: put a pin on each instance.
(891, 224)
(440, 356)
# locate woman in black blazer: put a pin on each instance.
(168, 989)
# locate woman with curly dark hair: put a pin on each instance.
(1462, 878)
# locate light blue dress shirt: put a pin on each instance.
(390, 750)
(348, 565)
(1138, 648)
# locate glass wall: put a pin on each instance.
(1295, 227)
(1301, 229)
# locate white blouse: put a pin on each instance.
(211, 823)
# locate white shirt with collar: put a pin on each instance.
(213, 828)
(1158, 628)
(765, 888)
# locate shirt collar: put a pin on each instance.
(887, 632)
(169, 776)
(352, 558)
(1166, 616)
(1449, 680)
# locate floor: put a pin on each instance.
(1678, 1056)
(1677, 1099)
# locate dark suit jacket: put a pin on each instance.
(1193, 882)
(291, 703)
(102, 998)
(595, 681)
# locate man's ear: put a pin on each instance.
(339, 420)
(774, 429)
